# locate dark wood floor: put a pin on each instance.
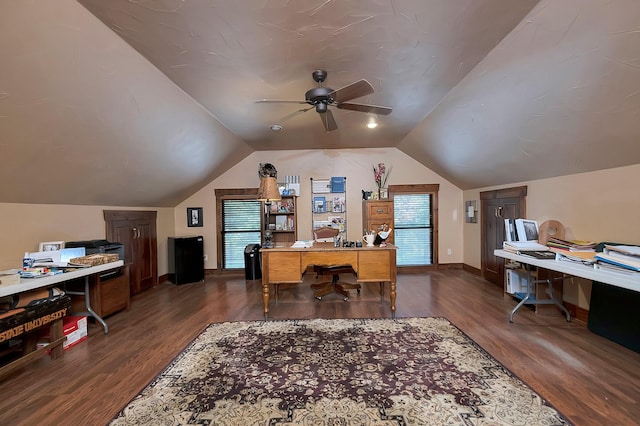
(589, 379)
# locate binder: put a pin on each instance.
(337, 184)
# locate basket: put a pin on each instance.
(95, 259)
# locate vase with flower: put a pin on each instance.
(380, 175)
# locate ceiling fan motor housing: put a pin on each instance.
(319, 96)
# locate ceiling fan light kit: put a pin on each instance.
(324, 97)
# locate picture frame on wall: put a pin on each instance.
(51, 246)
(194, 217)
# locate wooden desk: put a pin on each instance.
(27, 284)
(284, 264)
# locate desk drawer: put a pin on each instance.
(380, 210)
(281, 267)
(376, 265)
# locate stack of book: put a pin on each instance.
(574, 246)
(529, 248)
(625, 258)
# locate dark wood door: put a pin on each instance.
(496, 206)
(136, 230)
(146, 254)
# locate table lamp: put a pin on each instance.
(268, 192)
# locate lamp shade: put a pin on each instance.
(268, 190)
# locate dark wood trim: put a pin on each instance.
(423, 189)
(581, 314)
(237, 193)
(448, 266)
(414, 188)
(228, 194)
(471, 269)
(417, 269)
(129, 214)
(516, 191)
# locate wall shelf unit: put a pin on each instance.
(282, 219)
(329, 203)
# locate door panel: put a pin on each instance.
(496, 206)
(145, 245)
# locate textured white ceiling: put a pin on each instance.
(484, 92)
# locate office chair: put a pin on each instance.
(327, 234)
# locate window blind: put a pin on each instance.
(413, 229)
(241, 222)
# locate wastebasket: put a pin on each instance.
(252, 267)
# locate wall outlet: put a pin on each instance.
(206, 257)
(449, 252)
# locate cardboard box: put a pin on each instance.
(74, 327)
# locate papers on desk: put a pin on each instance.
(627, 257)
(10, 276)
(538, 254)
(587, 258)
(302, 244)
(518, 246)
(50, 265)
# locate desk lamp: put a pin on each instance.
(268, 192)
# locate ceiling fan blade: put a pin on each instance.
(294, 114)
(365, 108)
(352, 91)
(280, 101)
(328, 121)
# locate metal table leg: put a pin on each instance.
(87, 304)
(87, 301)
(551, 301)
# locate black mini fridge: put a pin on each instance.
(186, 259)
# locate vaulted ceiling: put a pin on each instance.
(119, 102)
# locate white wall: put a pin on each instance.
(356, 165)
(24, 226)
(599, 206)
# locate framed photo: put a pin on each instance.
(527, 230)
(194, 216)
(51, 246)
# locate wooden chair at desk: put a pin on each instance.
(334, 286)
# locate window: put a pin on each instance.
(239, 224)
(415, 224)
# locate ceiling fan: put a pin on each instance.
(321, 98)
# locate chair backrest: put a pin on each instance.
(325, 234)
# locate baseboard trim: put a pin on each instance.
(581, 314)
(471, 269)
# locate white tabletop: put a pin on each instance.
(27, 284)
(618, 279)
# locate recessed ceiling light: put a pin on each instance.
(371, 125)
(276, 127)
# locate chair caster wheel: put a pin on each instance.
(358, 291)
(319, 297)
(346, 299)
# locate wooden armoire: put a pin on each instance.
(136, 230)
(496, 206)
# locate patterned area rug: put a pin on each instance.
(408, 371)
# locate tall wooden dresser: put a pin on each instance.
(376, 214)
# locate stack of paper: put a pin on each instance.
(10, 276)
(302, 244)
(574, 246)
(588, 258)
(518, 246)
(627, 257)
